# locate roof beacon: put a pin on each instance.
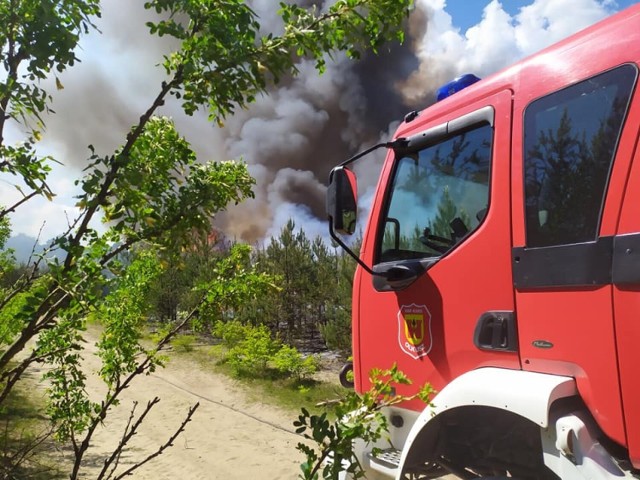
(456, 85)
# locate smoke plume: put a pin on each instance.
(293, 136)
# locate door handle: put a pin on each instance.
(496, 331)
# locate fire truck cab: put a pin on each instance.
(501, 263)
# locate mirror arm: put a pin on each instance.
(346, 248)
(397, 143)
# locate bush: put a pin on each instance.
(290, 361)
(251, 355)
(251, 351)
(232, 333)
(184, 343)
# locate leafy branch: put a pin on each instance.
(358, 417)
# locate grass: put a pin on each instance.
(287, 393)
(184, 342)
(27, 448)
(292, 395)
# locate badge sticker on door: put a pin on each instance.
(414, 330)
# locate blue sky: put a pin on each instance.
(466, 13)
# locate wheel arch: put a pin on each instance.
(528, 395)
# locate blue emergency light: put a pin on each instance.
(456, 85)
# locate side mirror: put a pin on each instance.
(342, 204)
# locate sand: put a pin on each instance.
(230, 436)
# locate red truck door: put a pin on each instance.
(569, 171)
(443, 208)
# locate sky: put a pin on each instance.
(291, 137)
(467, 13)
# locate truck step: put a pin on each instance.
(385, 461)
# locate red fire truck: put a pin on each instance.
(501, 263)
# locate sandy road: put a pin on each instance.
(228, 438)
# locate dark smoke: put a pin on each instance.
(293, 136)
(310, 124)
(290, 138)
(105, 94)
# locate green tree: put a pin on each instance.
(336, 329)
(234, 285)
(7, 262)
(309, 273)
(152, 189)
(170, 288)
(290, 257)
(314, 303)
(176, 289)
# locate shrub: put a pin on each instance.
(290, 361)
(184, 343)
(231, 333)
(251, 355)
(251, 351)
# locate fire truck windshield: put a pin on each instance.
(437, 196)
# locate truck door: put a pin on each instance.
(442, 206)
(567, 188)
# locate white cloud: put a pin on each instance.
(496, 41)
(39, 217)
(547, 21)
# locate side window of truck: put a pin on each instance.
(438, 194)
(570, 139)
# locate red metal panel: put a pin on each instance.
(578, 321)
(627, 308)
(472, 279)
(627, 298)
(476, 277)
(579, 325)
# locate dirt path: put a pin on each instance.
(229, 437)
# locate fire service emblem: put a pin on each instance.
(414, 330)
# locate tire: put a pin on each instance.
(343, 375)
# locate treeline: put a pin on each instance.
(298, 287)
